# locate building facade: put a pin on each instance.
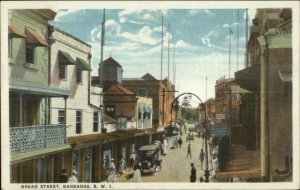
(35, 142)
(81, 112)
(148, 86)
(269, 77)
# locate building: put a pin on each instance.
(161, 92)
(227, 103)
(81, 112)
(268, 76)
(35, 142)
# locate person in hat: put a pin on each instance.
(73, 178)
(111, 172)
(63, 178)
(122, 166)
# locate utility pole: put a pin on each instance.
(230, 32)
(102, 46)
(162, 46)
(237, 40)
(174, 67)
(206, 172)
(247, 56)
(169, 53)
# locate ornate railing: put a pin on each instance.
(30, 138)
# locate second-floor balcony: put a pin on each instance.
(32, 138)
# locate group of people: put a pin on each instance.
(64, 178)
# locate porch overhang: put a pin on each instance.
(15, 31)
(37, 88)
(21, 157)
(34, 38)
(83, 65)
(249, 78)
(65, 58)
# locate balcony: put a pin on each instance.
(32, 138)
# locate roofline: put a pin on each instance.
(70, 35)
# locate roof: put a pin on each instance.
(108, 119)
(148, 76)
(111, 61)
(117, 89)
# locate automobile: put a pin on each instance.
(149, 157)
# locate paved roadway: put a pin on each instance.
(175, 166)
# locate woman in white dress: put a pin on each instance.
(137, 176)
(112, 172)
(214, 166)
(122, 166)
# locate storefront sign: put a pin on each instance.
(220, 130)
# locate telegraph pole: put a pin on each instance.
(101, 56)
(162, 46)
(230, 32)
(169, 54)
(237, 40)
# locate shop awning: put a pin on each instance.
(15, 31)
(20, 157)
(236, 89)
(285, 75)
(65, 58)
(146, 109)
(249, 78)
(82, 64)
(242, 163)
(34, 38)
(141, 108)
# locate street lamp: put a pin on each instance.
(206, 172)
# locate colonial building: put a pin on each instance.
(81, 112)
(268, 107)
(36, 144)
(161, 92)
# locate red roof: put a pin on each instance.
(111, 61)
(118, 89)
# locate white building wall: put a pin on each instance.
(78, 100)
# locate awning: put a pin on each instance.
(141, 108)
(82, 65)
(65, 58)
(285, 75)
(15, 31)
(146, 109)
(20, 157)
(34, 38)
(242, 163)
(37, 88)
(249, 78)
(236, 89)
(150, 109)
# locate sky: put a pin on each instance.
(133, 38)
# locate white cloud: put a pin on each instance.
(230, 25)
(148, 16)
(63, 13)
(251, 14)
(206, 41)
(204, 11)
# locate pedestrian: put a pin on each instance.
(122, 166)
(189, 152)
(111, 172)
(201, 179)
(180, 142)
(132, 159)
(192, 136)
(201, 157)
(193, 174)
(73, 178)
(137, 176)
(63, 178)
(184, 129)
(214, 166)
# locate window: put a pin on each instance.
(78, 122)
(30, 54)
(79, 76)
(61, 117)
(62, 71)
(96, 121)
(142, 92)
(110, 111)
(9, 47)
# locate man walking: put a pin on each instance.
(189, 152)
(180, 142)
(201, 157)
(193, 174)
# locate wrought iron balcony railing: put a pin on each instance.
(30, 138)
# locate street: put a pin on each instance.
(175, 166)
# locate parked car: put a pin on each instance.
(149, 157)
